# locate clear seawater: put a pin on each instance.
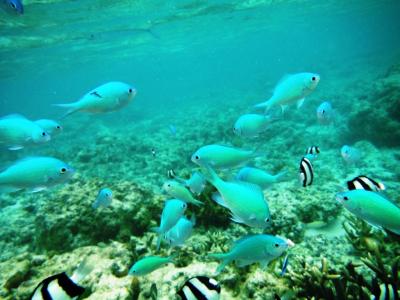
(196, 65)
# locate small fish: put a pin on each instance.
(200, 288)
(149, 264)
(373, 208)
(171, 174)
(62, 286)
(290, 89)
(350, 155)
(172, 129)
(50, 126)
(15, 5)
(251, 249)
(221, 157)
(285, 264)
(363, 182)
(306, 174)
(16, 132)
(104, 198)
(259, 177)
(179, 191)
(35, 174)
(180, 232)
(245, 201)
(153, 152)
(172, 212)
(312, 152)
(251, 125)
(108, 97)
(325, 113)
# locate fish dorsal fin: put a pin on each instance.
(242, 239)
(13, 116)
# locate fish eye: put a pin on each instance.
(276, 245)
(63, 170)
(130, 91)
(197, 157)
(168, 185)
(58, 127)
(13, 5)
(313, 78)
(267, 220)
(43, 133)
(345, 198)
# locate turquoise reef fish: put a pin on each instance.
(34, 174)
(290, 89)
(180, 232)
(373, 208)
(350, 155)
(108, 97)
(149, 264)
(251, 249)
(312, 152)
(363, 182)
(61, 286)
(200, 288)
(16, 131)
(221, 157)
(104, 198)
(259, 177)
(245, 200)
(172, 212)
(50, 126)
(15, 5)
(196, 183)
(177, 190)
(251, 125)
(325, 113)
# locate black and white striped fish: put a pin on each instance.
(58, 286)
(363, 182)
(171, 174)
(306, 174)
(200, 287)
(313, 150)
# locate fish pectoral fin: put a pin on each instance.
(218, 198)
(252, 217)
(237, 219)
(300, 102)
(264, 263)
(15, 148)
(38, 189)
(95, 93)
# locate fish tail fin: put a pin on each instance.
(172, 258)
(72, 108)
(84, 268)
(264, 104)
(281, 175)
(159, 238)
(225, 257)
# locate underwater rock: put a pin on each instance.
(19, 275)
(377, 117)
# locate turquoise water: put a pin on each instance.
(196, 65)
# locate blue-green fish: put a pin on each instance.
(104, 198)
(245, 200)
(108, 97)
(172, 212)
(149, 264)
(35, 174)
(50, 126)
(251, 125)
(221, 157)
(259, 177)
(290, 89)
(16, 131)
(350, 154)
(177, 190)
(196, 183)
(373, 208)
(251, 249)
(182, 230)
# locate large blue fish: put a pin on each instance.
(15, 5)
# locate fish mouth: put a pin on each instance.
(339, 198)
